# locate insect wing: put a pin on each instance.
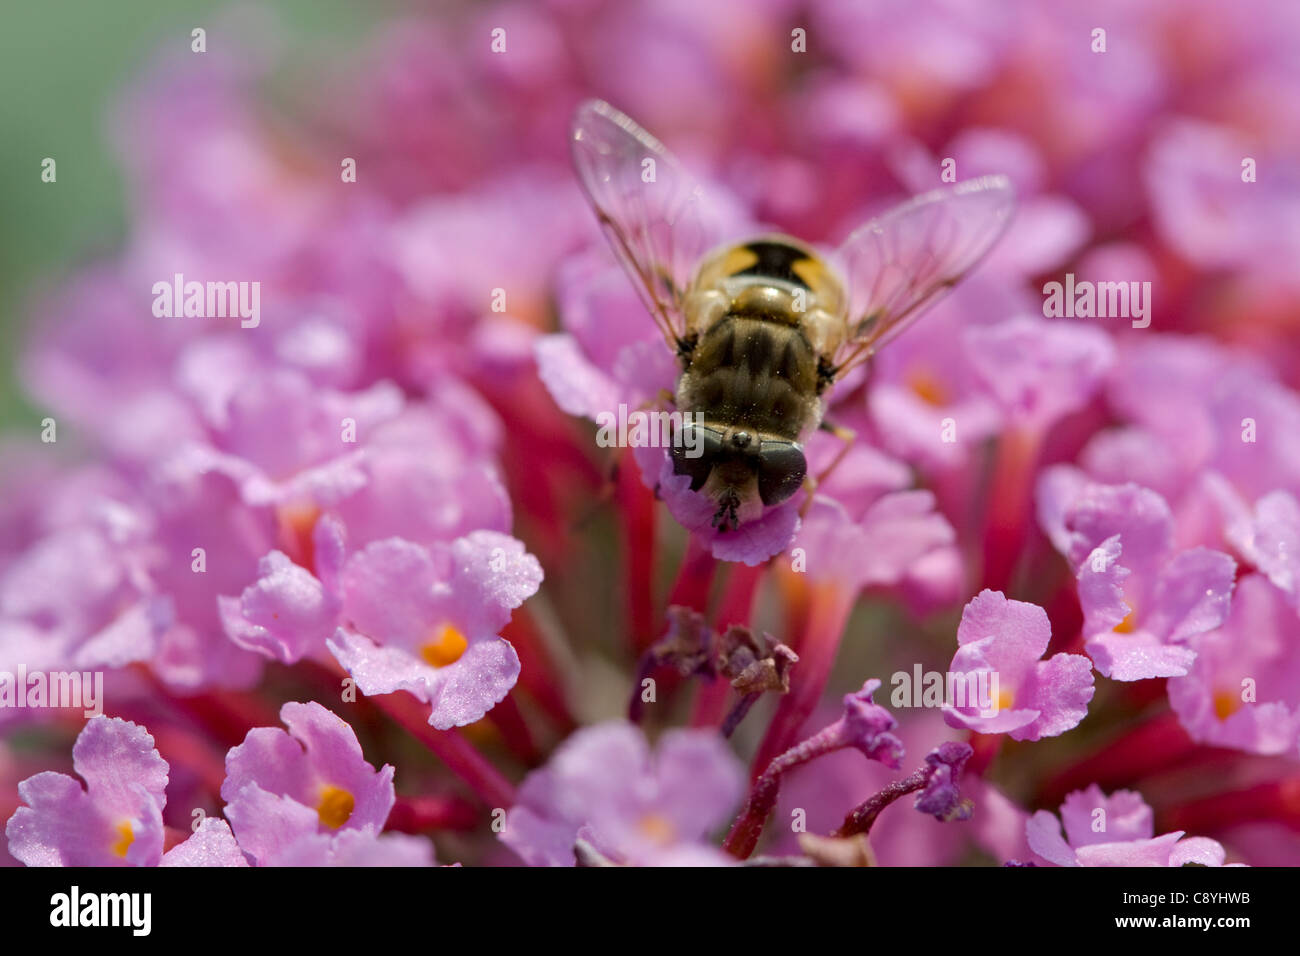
(653, 213)
(901, 263)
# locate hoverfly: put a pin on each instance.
(763, 327)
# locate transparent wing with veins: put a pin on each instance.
(653, 213)
(901, 263)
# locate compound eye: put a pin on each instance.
(781, 470)
(695, 450)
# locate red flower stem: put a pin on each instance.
(711, 702)
(538, 674)
(227, 715)
(508, 719)
(449, 746)
(1007, 515)
(742, 839)
(1066, 617)
(180, 746)
(691, 590)
(173, 837)
(737, 602)
(862, 817)
(425, 813)
(541, 432)
(797, 598)
(1141, 694)
(738, 598)
(828, 613)
(694, 579)
(1277, 800)
(1145, 750)
(985, 748)
(636, 508)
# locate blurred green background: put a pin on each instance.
(62, 64)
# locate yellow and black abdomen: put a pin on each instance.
(782, 260)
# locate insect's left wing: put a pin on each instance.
(654, 214)
(901, 263)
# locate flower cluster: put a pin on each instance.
(302, 798)
(382, 495)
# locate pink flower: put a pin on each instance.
(114, 820)
(1002, 643)
(1243, 690)
(427, 621)
(282, 788)
(1139, 614)
(1113, 831)
(211, 844)
(1039, 370)
(604, 787)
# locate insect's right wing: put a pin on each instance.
(653, 213)
(904, 261)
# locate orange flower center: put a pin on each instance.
(335, 806)
(658, 828)
(927, 387)
(296, 523)
(1226, 703)
(445, 648)
(126, 836)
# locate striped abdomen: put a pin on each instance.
(755, 371)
